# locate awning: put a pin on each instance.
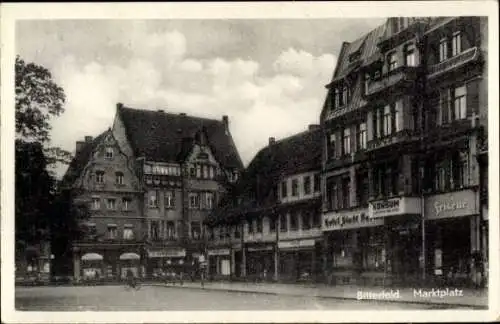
(92, 257)
(130, 256)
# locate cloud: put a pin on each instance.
(158, 72)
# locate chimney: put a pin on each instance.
(160, 110)
(225, 121)
(272, 140)
(313, 127)
(79, 146)
(182, 114)
(119, 105)
(88, 139)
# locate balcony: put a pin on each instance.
(400, 137)
(401, 77)
(468, 56)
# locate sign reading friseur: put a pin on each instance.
(349, 219)
(394, 206)
(453, 204)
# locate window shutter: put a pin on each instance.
(472, 97)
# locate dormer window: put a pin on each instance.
(119, 178)
(392, 61)
(109, 153)
(456, 44)
(99, 177)
(410, 55)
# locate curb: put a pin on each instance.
(437, 305)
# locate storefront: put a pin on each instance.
(161, 260)
(355, 251)
(453, 233)
(92, 266)
(219, 262)
(129, 261)
(402, 235)
(298, 260)
(260, 261)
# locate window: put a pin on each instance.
(443, 50)
(211, 172)
(332, 194)
(331, 146)
(294, 221)
(192, 171)
(284, 189)
(346, 141)
(295, 187)
(128, 232)
(337, 98)
(460, 176)
(154, 230)
(283, 223)
(198, 171)
(367, 82)
(170, 230)
(126, 203)
(456, 44)
(345, 94)
(396, 116)
(111, 203)
(209, 200)
(99, 176)
(250, 226)
(346, 190)
(392, 61)
(153, 199)
(375, 120)
(259, 224)
(316, 219)
(387, 121)
(96, 203)
(91, 230)
(361, 136)
(306, 220)
(317, 183)
(362, 188)
(205, 171)
(410, 55)
(460, 102)
(112, 232)
(236, 231)
(109, 153)
(307, 185)
(119, 178)
(196, 230)
(194, 200)
(169, 199)
(272, 224)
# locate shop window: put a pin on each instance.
(111, 203)
(153, 199)
(456, 44)
(331, 146)
(126, 203)
(443, 49)
(99, 177)
(112, 231)
(284, 192)
(171, 230)
(361, 136)
(194, 200)
(343, 250)
(295, 187)
(307, 185)
(147, 168)
(195, 230)
(128, 232)
(374, 256)
(119, 178)
(283, 223)
(392, 61)
(169, 199)
(294, 221)
(317, 183)
(96, 203)
(410, 55)
(109, 153)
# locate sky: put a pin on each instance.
(268, 76)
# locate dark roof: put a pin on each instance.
(256, 191)
(166, 137)
(80, 160)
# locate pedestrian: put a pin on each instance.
(202, 266)
(131, 279)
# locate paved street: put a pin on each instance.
(161, 298)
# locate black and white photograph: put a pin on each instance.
(250, 162)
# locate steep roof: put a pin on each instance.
(161, 136)
(80, 160)
(256, 190)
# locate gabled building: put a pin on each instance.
(268, 227)
(184, 165)
(103, 176)
(402, 130)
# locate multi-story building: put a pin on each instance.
(150, 181)
(184, 164)
(268, 228)
(102, 175)
(401, 139)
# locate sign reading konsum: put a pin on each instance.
(394, 206)
(453, 204)
(351, 219)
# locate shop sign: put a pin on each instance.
(260, 248)
(177, 253)
(219, 252)
(347, 220)
(296, 244)
(394, 207)
(455, 204)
